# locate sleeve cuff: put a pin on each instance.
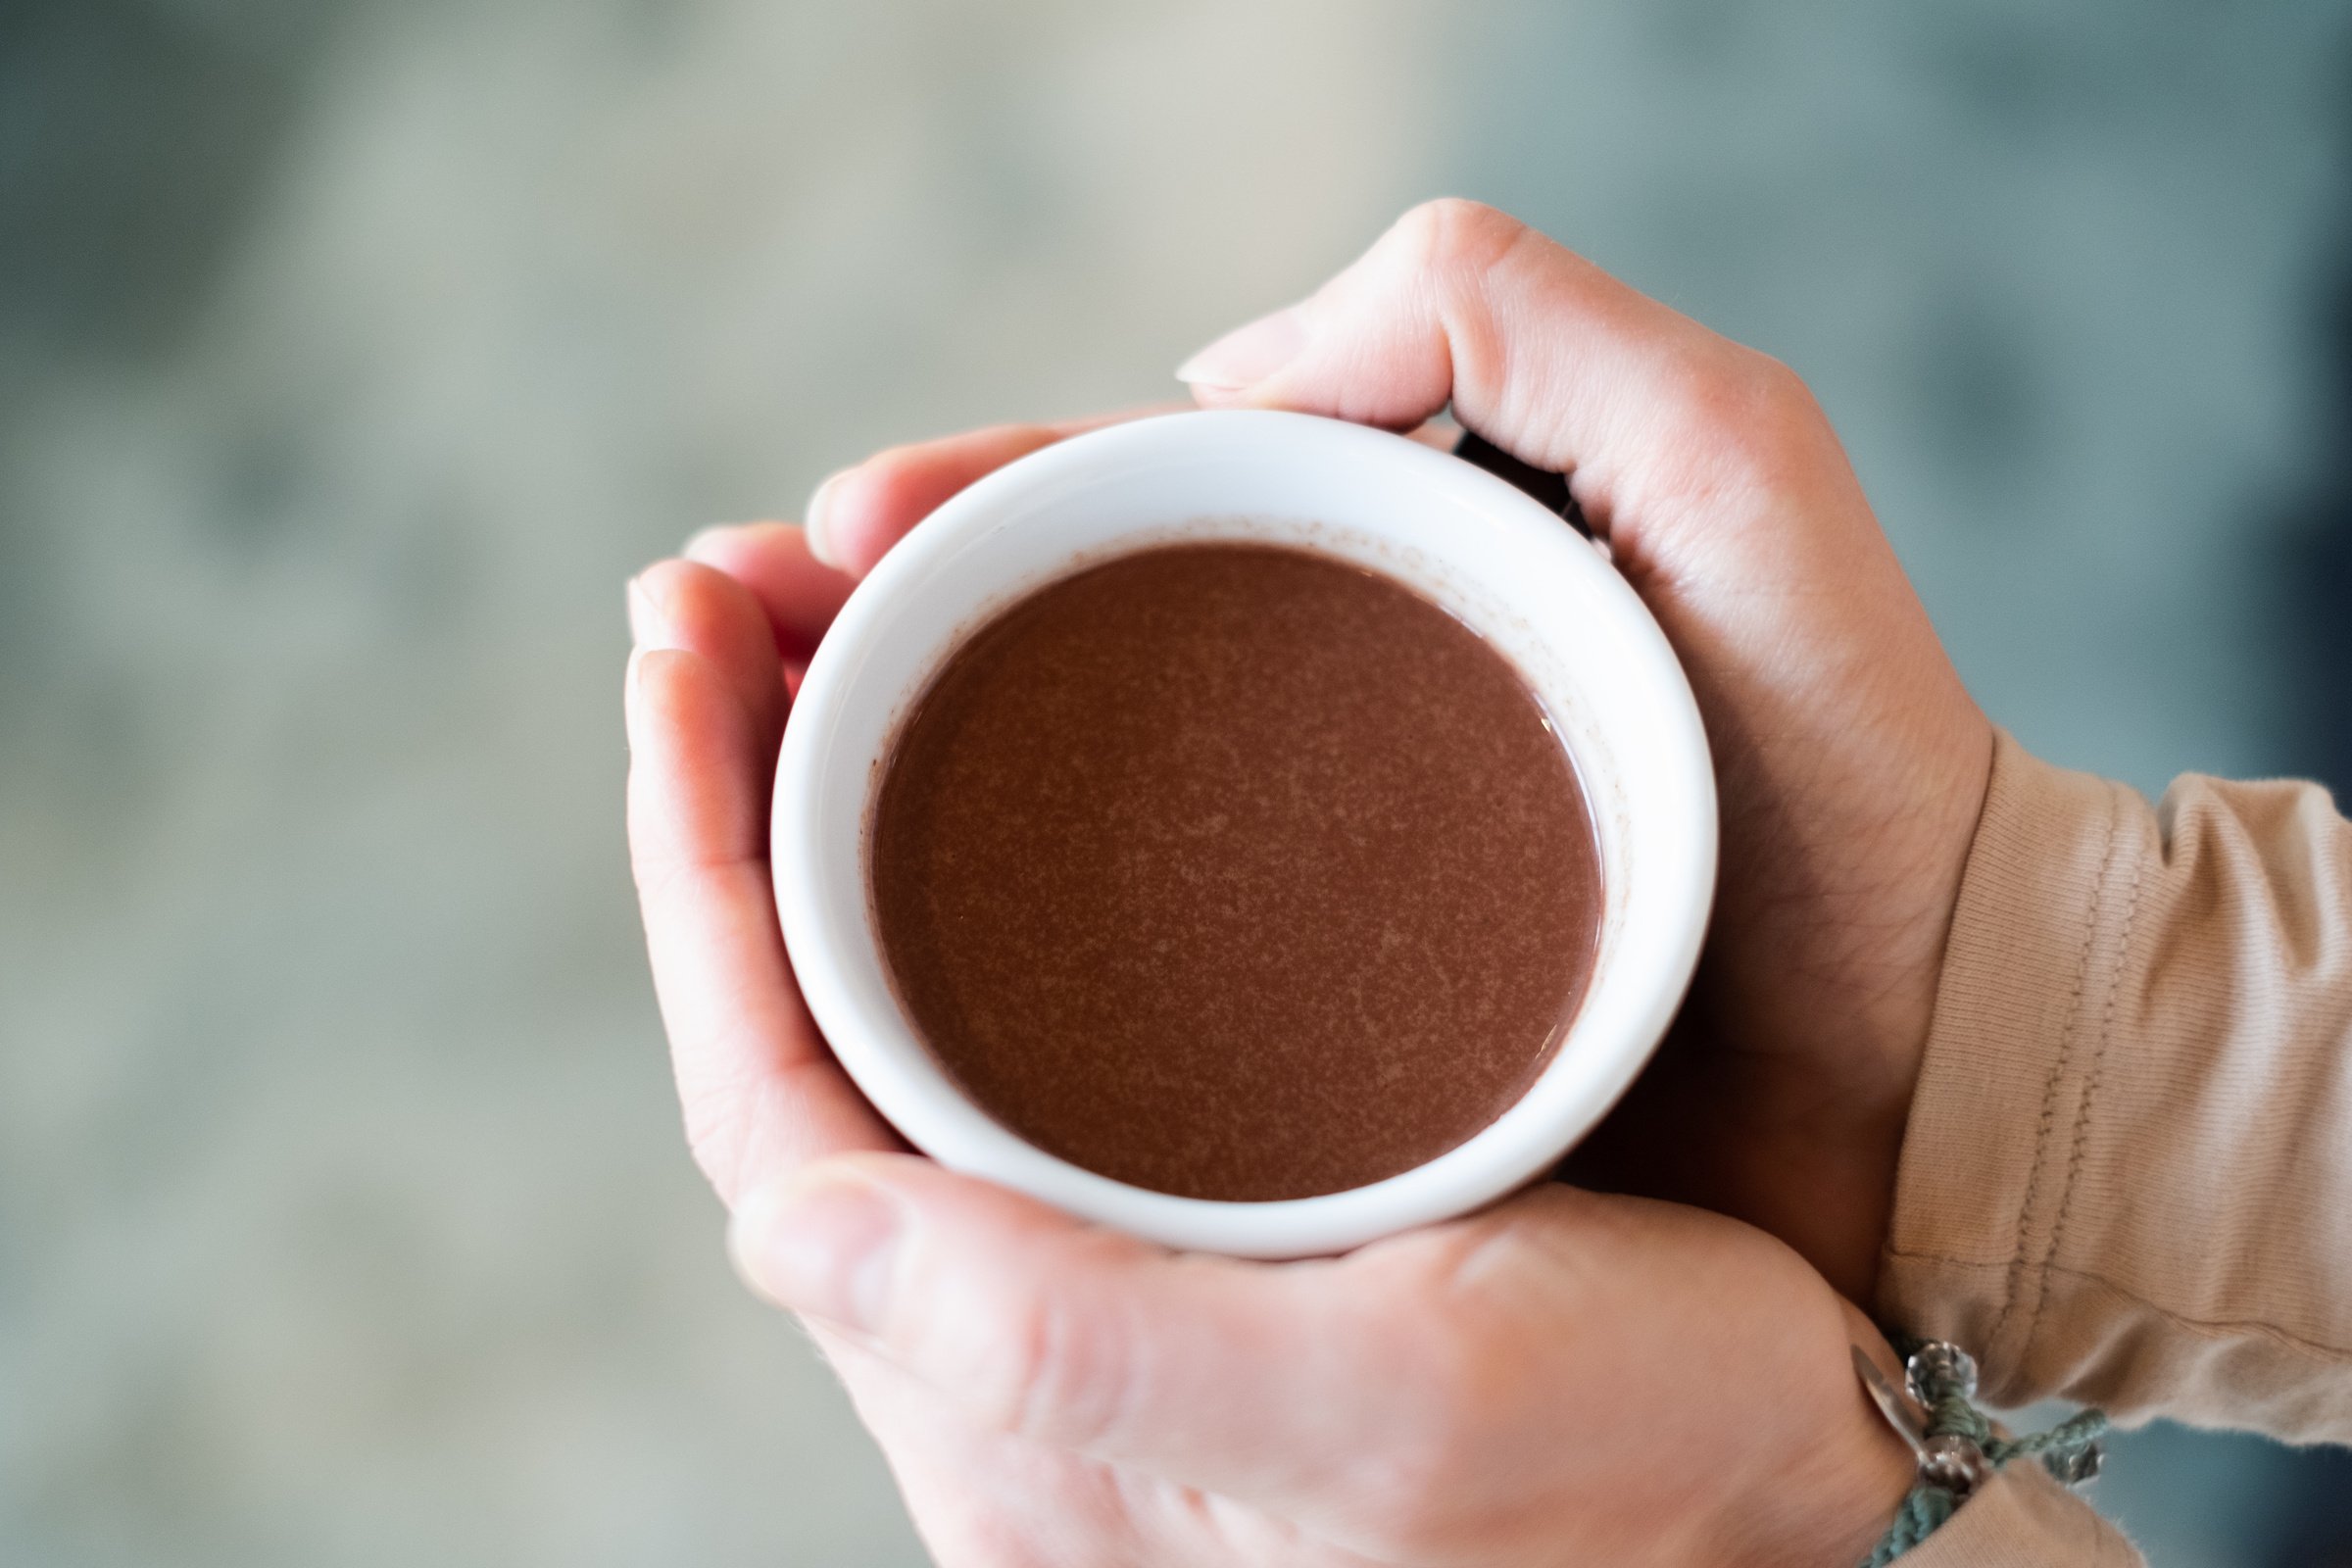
(1997, 1125)
(2023, 1519)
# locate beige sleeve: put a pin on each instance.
(2128, 1174)
(2023, 1519)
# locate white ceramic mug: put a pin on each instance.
(1519, 575)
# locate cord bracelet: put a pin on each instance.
(1957, 1447)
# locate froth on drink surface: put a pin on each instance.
(1234, 872)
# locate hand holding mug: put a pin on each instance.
(1852, 765)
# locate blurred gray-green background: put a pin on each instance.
(352, 353)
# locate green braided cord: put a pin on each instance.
(1949, 1414)
(2055, 1447)
(1922, 1512)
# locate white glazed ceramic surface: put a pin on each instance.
(1516, 574)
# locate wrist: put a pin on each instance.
(1837, 1509)
(1827, 1505)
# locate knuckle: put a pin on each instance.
(1453, 251)
(1772, 396)
(1753, 415)
(1456, 1390)
(1065, 1377)
(1427, 1471)
(1453, 232)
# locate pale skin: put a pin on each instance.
(1571, 1376)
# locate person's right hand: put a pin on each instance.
(1852, 763)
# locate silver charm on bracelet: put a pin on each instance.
(1945, 1459)
(1940, 1363)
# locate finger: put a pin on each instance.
(1238, 1378)
(802, 594)
(1550, 359)
(684, 605)
(860, 513)
(760, 1092)
(798, 594)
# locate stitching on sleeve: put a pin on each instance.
(2091, 1093)
(2050, 1089)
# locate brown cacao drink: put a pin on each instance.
(1233, 871)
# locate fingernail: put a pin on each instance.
(647, 625)
(825, 1246)
(816, 523)
(1246, 355)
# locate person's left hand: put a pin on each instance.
(1568, 1377)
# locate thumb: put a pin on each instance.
(1208, 1371)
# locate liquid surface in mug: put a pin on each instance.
(1234, 872)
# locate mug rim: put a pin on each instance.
(835, 953)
